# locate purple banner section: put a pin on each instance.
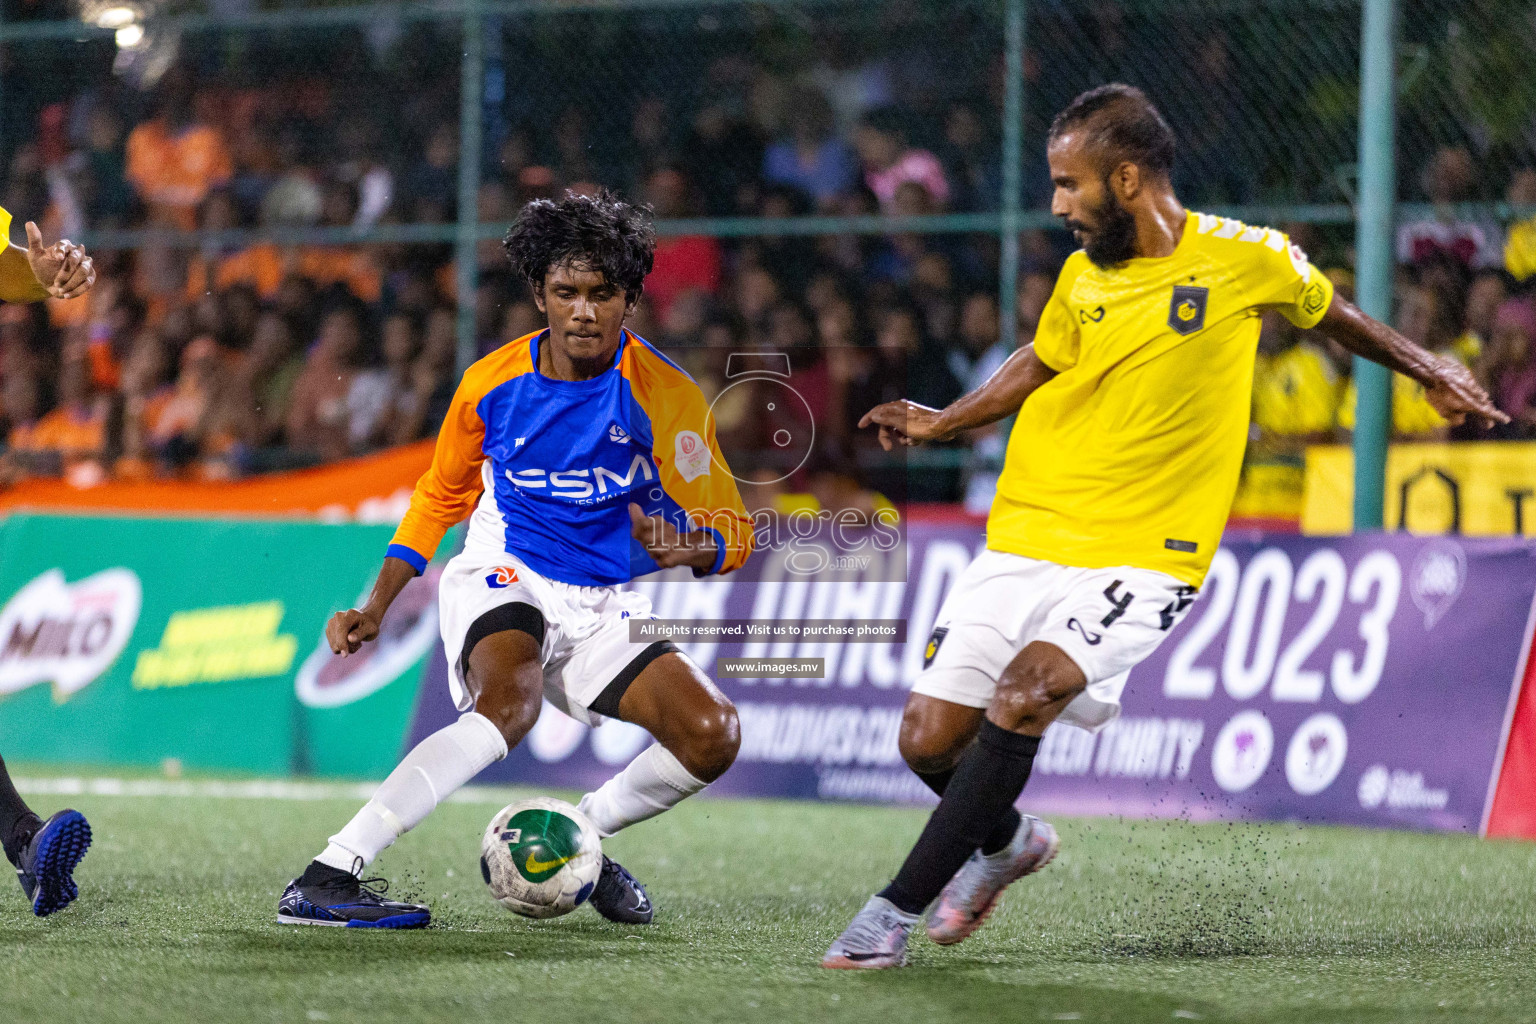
(1362, 680)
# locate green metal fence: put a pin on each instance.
(1286, 111)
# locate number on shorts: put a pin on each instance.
(1184, 597)
(1120, 604)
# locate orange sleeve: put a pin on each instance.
(221, 167)
(693, 470)
(141, 164)
(446, 493)
(260, 266)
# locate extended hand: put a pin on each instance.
(349, 630)
(667, 545)
(907, 422)
(1455, 393)
(63, 268)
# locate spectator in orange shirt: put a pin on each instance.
(71, 439)
(354, 266)
(117, 316)
(261, 265)
(174, 161)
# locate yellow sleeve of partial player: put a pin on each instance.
(446, 493)
(17, 282)
(1058, 338)
(1283, 279)
(693, 469)
(1315, 403)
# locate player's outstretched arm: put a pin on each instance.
(1448, 385)
(1002, 395)
(58, 271)
(349, 630)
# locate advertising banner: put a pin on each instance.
(368, 489)
(1367, 679)
(131, 641)
(1478, 489)
(1364, 680)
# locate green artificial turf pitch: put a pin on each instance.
(1134, 921)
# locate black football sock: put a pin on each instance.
(17, 822)
(988, 780)
(1006, 829)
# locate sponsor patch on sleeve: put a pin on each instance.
(691, 455)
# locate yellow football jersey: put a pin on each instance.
(1295, 392)
(1130, 456)
(1411, 412)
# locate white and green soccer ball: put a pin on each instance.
(541, 857)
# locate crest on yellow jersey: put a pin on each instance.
(1186, 313)
(934, 641)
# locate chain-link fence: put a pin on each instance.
(827, 177)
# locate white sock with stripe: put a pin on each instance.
(653, 782)
(434, 768)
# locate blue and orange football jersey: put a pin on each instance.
(548, 467)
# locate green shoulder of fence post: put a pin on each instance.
(1373, 253)
(471, 112)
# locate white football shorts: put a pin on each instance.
(586, 629)
(1106, 620)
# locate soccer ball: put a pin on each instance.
(541, 857)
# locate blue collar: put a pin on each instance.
(577, 385)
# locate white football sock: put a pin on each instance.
(653, 782)
(434, 768)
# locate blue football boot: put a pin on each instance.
(620, 898)
(339, 899)
(46, 866)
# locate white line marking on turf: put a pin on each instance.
(253, 790)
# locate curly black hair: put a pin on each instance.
(601, 232)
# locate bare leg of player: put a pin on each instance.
(934, 733)
(697, 738)
(504, 671)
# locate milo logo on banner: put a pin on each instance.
(405, 637)
(66, 633)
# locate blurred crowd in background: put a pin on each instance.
(217, 362)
